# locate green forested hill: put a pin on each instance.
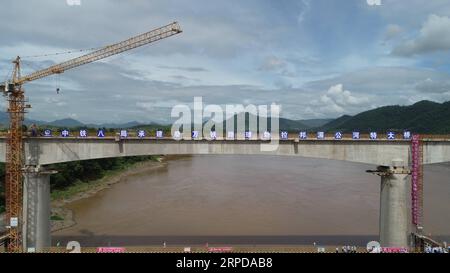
(422, 117)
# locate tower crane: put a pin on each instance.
(17, 105)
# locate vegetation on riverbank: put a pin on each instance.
(79, 176)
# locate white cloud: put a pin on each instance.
(437, 86)
(153, 105)
(392, 31)
(373, 2)
(434, 36)
(383, 81)
(55, 101)
(305, 6)
(272, 63)
(338, 99)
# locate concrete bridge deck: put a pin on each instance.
(45, 151)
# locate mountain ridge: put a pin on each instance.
(421, 117)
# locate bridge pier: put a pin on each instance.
(36, 209)
(394, 206)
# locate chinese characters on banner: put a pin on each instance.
(231, 135)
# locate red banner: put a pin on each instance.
(415, 179)
(394, 250)
(110, 249)
(220, 249)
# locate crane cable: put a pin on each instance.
(36, 67)
(33, 65)
(62, 53)
(9, 75)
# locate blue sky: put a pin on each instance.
(316, 58)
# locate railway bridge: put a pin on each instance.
(393, 156)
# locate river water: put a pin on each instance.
(247, 200)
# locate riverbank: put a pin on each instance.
(62, 217)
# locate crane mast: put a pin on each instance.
(17, 106)
(14, 161)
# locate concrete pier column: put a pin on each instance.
(36, 209)
(394, 206)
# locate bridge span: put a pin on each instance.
(44, 151)
(393, 155)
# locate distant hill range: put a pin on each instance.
(421, 117)
(68, 123)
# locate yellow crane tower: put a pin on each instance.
(13, 90)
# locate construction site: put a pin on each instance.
(17, 106)
(397, 156)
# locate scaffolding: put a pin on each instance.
(417, 183)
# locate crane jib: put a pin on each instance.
(109, 50)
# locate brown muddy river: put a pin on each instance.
(247, 200)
